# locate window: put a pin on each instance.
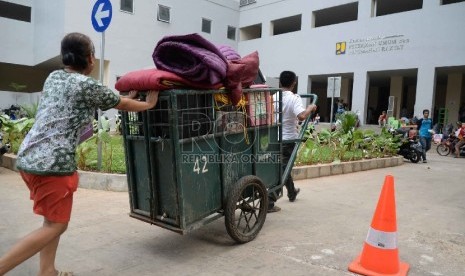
(447, 2)
(286, 25)
(246, 2)
(335, 15)
(251, 32)
(127, 5)
(385, 7)
(206, 25)
(15, 11)
(163, 13)
(231, 32)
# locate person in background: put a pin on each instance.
(317, 119)
(424, 126)
(341, 106)
(293, 112)
(382, 119)
(461, 142)
(46, 158)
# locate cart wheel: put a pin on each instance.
(246, 209)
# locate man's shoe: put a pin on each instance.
(293, 197)
(424, 161)
(273, 209)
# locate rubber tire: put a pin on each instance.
(443, 150)
(414, 156)
(236, 217)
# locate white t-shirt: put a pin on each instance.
(292, 106)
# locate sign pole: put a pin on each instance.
(332, 104)
(333, 91)
(100, 18)
(102, 61)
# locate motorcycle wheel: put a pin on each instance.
(443, 150)
(414, 156)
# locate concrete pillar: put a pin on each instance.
(303, 82)
(453, 91)
(397, 83)
(426, 82)
(360, 93)
(307, 17)
(365, 9)
(430, 4)
(267, 30)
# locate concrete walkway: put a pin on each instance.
(319, 234)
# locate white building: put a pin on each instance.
(409, 49)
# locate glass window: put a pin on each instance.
(231, 32)
(246, 2)
(206, 25)
(163, 13)
(127, 5)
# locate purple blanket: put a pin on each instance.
(191, 57)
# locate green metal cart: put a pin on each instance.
(195, 158)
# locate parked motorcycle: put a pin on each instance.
(410, 148)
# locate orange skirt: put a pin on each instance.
(52, 195)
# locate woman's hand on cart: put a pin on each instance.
(130, 103)
(152, 98)
(132, 94)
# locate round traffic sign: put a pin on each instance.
(101, 15)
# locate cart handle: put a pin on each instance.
(290, 163)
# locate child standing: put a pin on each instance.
(317, 119)
(382, 119)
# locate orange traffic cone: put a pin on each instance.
(380, 255)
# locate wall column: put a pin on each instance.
(360, 92)
(426, 83)
(397, 82)
(364, 10)
(454, 89)
(303, 82)
(430, 4)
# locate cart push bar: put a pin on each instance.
(304, 125)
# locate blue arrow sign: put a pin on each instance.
(101, 15)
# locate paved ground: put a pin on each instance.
(319, 234)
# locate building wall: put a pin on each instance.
(422, 40)
(129, 40)
(16, 39)
(131, 37)
(427, 38)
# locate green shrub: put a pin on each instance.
(346, 143)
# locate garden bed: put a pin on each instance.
(118, 182)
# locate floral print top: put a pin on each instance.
(67, 104)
